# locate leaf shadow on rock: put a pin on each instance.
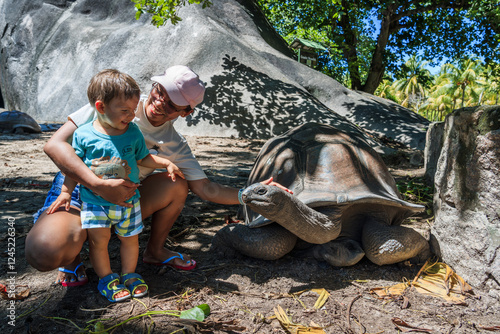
(258, 106)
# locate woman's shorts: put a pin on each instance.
(54, 191)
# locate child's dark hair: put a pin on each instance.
(111, 83)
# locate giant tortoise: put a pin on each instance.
(18, 122)
(345, 203)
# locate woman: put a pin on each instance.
(56, 240)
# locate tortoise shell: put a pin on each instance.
(18, 122)
(324, 167)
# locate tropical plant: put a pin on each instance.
(490, 85)
(386, 91)
(163, 11)
(415, 80)
(464, 77)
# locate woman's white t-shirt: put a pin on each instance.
(161, 140)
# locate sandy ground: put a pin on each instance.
(242, 292)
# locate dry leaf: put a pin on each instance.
(439, 280)
(490, 328)
(19, 293)
(323, 297)
(435, 279)
(390, 292)
(405, 327)
(292, 328)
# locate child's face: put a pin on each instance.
(117, 114)
(160, 109)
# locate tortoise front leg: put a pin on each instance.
(268, 242)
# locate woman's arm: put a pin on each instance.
(218, 193)
(214, 192)
(63, 155)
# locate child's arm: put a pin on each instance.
(154, 161)
(64, 197)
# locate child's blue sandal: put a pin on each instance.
(109, 291)
(139, 281)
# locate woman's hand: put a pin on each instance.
(270, 182)
(116, 191)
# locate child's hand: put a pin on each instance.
(63, 199)
(173, 170)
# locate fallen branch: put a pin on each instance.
(348, 319)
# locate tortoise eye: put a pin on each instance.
(261, 191)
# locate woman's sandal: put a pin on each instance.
(139, 281)
(80, 280)
(191, 264)
(109, 291)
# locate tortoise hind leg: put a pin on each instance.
(341, 252)
(384, 244)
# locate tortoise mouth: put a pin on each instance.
(259, 203)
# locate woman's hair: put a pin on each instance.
(111, 83)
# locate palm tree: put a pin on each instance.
(462, 80)
(490, 88)
(385, 90)
(414, 82)
(440, 104)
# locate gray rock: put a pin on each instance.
(467, 196)
(433, 147)
(50, 49)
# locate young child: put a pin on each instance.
(112, 147)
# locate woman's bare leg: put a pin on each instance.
(164, 200)
(56, 241)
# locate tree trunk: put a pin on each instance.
(377, 67)
(463, 95)
(349, 48)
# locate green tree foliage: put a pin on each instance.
(368, 37)
(491, 85)
(461, 80)
(386, 90)
(464, 83)
(163, 11)
(414, 83)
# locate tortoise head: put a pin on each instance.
(269, 201)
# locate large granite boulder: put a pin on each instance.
(433, 147)
(50, 49)
(467, 196)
